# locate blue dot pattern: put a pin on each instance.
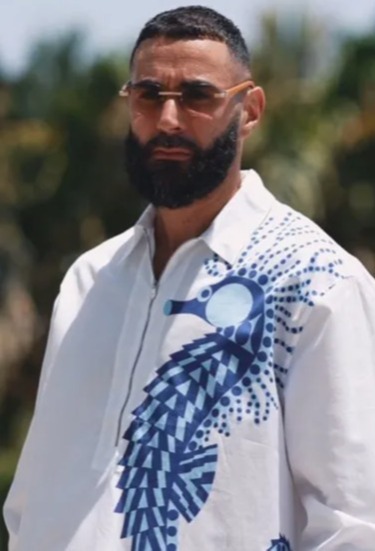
(236, 371)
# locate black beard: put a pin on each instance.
(175, 184)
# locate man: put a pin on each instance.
(209, 379)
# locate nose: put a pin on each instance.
(170, 117)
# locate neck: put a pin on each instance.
(173, 227)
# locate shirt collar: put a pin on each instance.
(146, 220)
(231, 229)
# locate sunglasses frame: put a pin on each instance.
(229, 92)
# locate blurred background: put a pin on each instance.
(63, 188)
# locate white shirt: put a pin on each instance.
(229, 407)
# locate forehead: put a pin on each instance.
(169, 60)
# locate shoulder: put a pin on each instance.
(294, 246)
(87, 267)
(299, 269)
(92, 271)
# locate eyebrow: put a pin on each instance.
(184, 83)
(146, 82)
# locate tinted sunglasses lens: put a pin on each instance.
(146, 92)
(199, 97)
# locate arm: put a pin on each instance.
(330, 420)
(17, 497)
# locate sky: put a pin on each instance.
(113, 24)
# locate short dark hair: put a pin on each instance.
(192, 23)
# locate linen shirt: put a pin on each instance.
(230, 406)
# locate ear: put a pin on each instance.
(253, 107)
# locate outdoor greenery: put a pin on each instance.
(63, 188)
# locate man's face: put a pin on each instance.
(176, 155)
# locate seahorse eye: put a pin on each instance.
(205, 294)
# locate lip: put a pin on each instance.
(171, 153)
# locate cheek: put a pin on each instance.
(142, 126)
(202, 134)
(204, 129)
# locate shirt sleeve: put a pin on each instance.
(17, 497)
(330, 420)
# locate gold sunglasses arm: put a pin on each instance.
(124, 92)
(235, 89)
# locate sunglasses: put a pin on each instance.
(196, 96)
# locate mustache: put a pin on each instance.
(168, 141)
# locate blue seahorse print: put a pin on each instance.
(281, 544)
(169, 463)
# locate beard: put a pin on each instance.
(175, 184)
